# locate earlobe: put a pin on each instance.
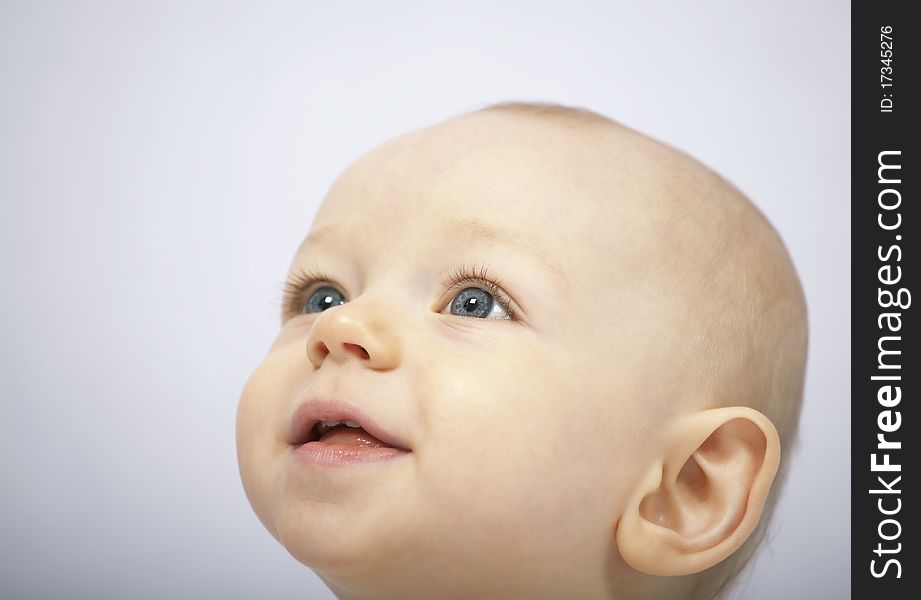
(703, 495)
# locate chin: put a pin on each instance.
(332, 551)
(352, 571)
(321, 556)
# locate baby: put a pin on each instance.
(527, 353)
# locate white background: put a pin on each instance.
(160, 162)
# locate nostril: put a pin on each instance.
(359, 349)
(322, 349)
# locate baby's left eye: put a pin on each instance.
(477, 303)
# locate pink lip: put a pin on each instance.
(337, 455)
(314, 411)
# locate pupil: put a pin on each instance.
(323, 299)
(472, 302)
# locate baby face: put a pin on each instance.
(480, 308)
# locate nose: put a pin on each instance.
(353, 331)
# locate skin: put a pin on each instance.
(528, 437)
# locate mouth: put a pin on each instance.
(326, 424)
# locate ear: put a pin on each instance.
(704, 493)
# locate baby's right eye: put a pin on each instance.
(323, 298)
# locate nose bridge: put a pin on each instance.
(355, 330)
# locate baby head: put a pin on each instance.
(564, 359)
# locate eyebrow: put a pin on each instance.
(468, 230)
(472, 230)
(315, 237)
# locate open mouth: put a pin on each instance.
(334, 423)
(337, 434)
(346, 433)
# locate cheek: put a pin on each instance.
(259, 436)
(531, 439)
(270, 391)
(505, 449)
(263, 397)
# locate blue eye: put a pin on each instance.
(476, 303)
(323, 298)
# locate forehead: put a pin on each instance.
(557, 194)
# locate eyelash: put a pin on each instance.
(464, 273)
(301, 281)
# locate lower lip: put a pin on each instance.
(340, 455)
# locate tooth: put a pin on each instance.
(332, 423)
(352, 424)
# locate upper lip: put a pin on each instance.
(313, 411)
